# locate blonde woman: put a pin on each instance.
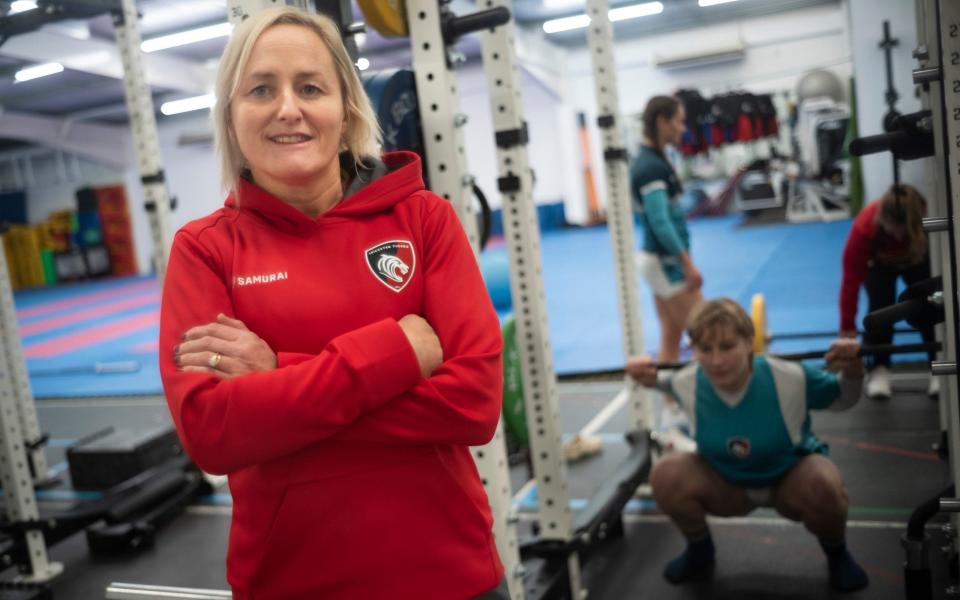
(328, 341)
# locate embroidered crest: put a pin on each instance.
(393, 263)
(738, 447)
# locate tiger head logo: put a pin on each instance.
(392, 268)
(392, 263)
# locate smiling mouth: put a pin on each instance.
(290, 139)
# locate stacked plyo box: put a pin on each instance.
(21, 244)
(117, 231)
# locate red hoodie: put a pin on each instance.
(867, 244)
(350, 473)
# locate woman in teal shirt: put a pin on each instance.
(750, 417)
(665, 257)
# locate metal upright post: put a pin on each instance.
(619, 213)
(947, 124)
(522, 232)
(34, 448)
(927, 37)
(21, 506)
(440, 115)
(143, 123)
(446, 163)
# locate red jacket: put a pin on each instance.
(865, 245)
(351, 474)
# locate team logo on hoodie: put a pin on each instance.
(392, 263)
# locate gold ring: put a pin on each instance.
(214, 360)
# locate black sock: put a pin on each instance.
(845, 574)
(696, 562)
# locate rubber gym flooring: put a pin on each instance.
(99, 338)
(882, 448)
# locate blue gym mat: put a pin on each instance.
(796, 266)
(113, 323)
(93, 338)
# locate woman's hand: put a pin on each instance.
(643, 369)
(844, 355)
(425, 342)
(225, 348)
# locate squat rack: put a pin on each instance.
(448, 179)
(22, 458)
(938, 35)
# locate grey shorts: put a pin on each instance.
(501, 592)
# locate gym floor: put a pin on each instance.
(882, 448)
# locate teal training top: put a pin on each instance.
(753, 438)
(656, 202)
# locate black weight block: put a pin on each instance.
(106, 460)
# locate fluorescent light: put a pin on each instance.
(562, 4)
(360, 39)
(21, 6)
(38, 71)
(175, 107)
(186, 37)
(363, 64)
(713, 2)
(622, 13)
(635, 11)
(566, 24)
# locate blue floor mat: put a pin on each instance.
(72, 334)
(797, 267)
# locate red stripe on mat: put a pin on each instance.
(74, 341)
(148, 346)
(85, 298)
(90, 313)
(870, 447)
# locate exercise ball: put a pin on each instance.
(495, 268)
(820, 83)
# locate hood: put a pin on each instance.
(371, 190)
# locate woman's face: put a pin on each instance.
(671, 129)
(896, 230)
(287, 114)
(724, 356)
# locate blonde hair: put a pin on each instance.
(716, 313)
(362, 136)
(907, 210)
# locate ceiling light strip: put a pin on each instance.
(175, 107)
(183, 38)
(38, 71)
(622, 13)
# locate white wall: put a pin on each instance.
(540, 105)
(193, 172)
(866, 30)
